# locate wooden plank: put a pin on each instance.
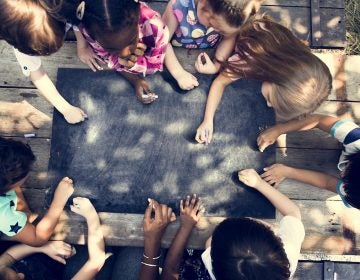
(332, 28)
(321, 221)
(24, 111)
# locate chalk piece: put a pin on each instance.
(29, 135)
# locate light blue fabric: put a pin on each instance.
(12, 221)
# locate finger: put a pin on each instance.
(157, 209)
(198, 204)
(173, 217)
(197, 137)
(74, 209)
(181, 205)
(164, 209)
(195, 81)
(92, 67)
(141, 46)
(187, 201)
(169, 212)
(59, 259)
(210, 136)
(95, 64)
(193, 201)
(263, 146)
(148, 211)
(207, 57)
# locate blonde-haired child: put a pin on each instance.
(295, 82)
(202, 24)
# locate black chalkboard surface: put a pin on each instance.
(126, 151)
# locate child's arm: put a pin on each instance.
(96, 245)
(204, 132)
(57, 250)
(185, 79)
(46, 87)
(154, 229)
(281, 202)
(85, 52)
(190, 214)
(38, 235)
(269, 136)
(276, 173)
(223, 51)
(142, 89)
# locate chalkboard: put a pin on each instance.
(126, 152)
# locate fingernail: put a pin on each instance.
(149, 200)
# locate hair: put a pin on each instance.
(34, 27)
(236, 12)
(106, 17)
(269, 52)
(16, 159)
(351, 180)
(244, 249)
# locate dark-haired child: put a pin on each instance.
(16, 160)
(130, 37)
(346, 132)
(201, 24)
(244, 248)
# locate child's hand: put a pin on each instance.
(250, 178)
(204, 65)
(204, 132)
(268, 137)
(130, 61)
(186, 80)
(143, 92)
(191, 213)
(275, 174)
(74, 114)
(155, 227)
(64, 190)
(87, 56)
(83, 207)
(58, 250)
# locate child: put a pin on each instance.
(295, 82)
(16, 160)
(130, 37)
(243, 248)
(60, 251)
(36, 28)
(344, 131)
(198, 24)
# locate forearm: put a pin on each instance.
(280, 201)
(47, 224)
(314, 178)
(175, 253)
(172, 63)
(151, 250)
(18, 252)
(47, 88)
(215, 94)
(80, 40)
(96, 245)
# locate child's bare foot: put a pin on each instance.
(64, 190)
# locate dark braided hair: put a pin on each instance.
(16, 159)
(351, 180)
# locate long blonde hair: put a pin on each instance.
(268, 51)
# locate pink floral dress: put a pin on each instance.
(152, 32)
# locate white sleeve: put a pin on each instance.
(28, 63)
(292, 234)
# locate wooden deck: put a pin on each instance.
(330, 227)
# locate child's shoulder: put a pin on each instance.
(12, 221)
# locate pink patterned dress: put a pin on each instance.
(152, 32)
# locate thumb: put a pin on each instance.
(74, 209)
(207, 57)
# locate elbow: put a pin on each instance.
(295, 212)
(97, 262)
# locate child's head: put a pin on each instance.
(226, 16)
(242, 248)
(114, 24)
(16, 159)
(32, 26)
(298, 81)
(351, 179)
